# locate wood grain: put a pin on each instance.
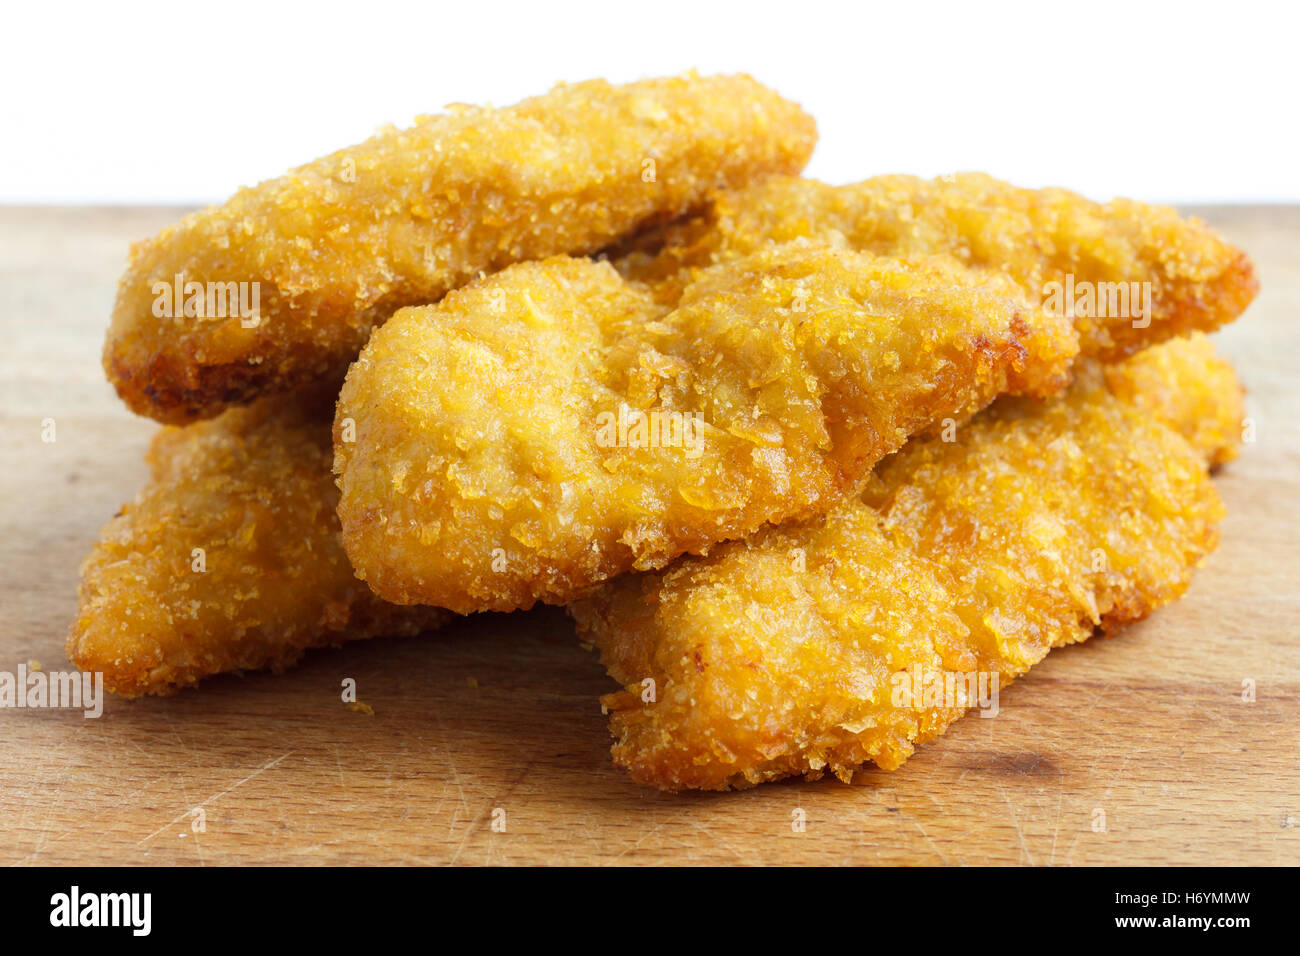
(501, 712)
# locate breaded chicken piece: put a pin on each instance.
(229, 559)
(1037, 236)
(1188, 387)
(794, 652)
(489, 450)
(338, 245)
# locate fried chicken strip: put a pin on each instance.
(229, 559)
(333, 248)
(781, 655)
(1039, 237)
(490, 467)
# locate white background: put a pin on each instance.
(166, 103)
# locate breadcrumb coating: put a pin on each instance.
(782, 655)
(1186, 385)
(1037, 236)
(229, 559)
(336, 246)
(488, 468)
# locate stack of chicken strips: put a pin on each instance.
(774, 443)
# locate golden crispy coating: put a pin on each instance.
(229, 560)
(1038, 236)
(499, 458)
(339, 244)
(1188, 387)
(793, 652)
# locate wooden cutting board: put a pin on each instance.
(497, 718)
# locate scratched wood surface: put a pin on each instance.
(1148, 728)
